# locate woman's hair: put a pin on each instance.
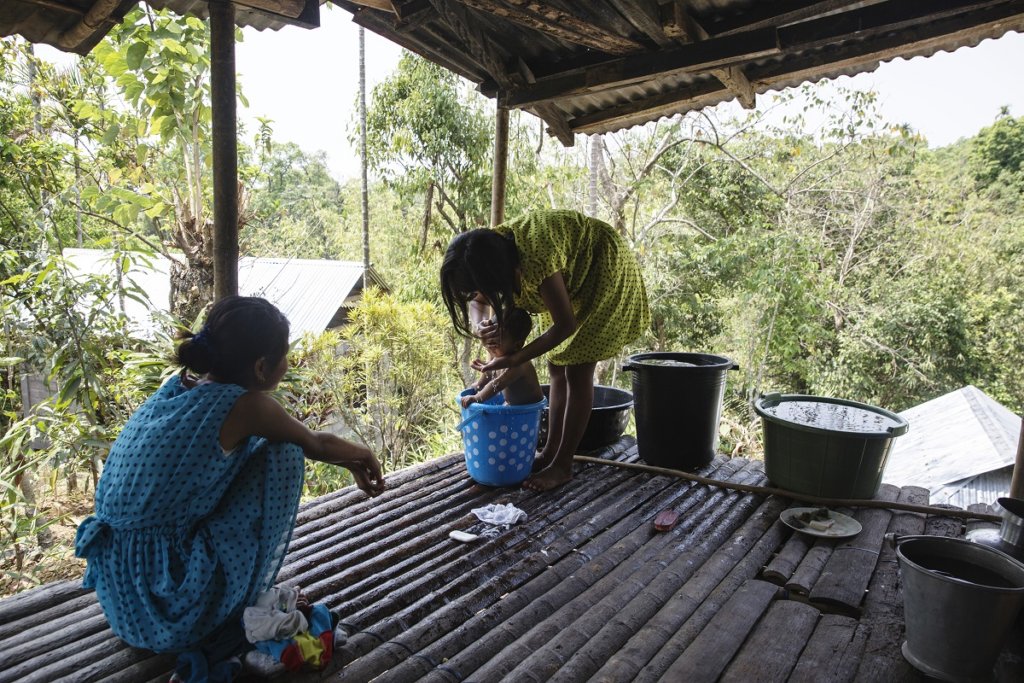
(517, 324)
(481, 262)
(239, 330)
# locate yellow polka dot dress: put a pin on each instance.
(600, 272)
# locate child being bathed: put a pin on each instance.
(519, 383)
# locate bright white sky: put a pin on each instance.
(307, 82)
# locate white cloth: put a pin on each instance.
(283, 598)
(274, 616)
(500, 514)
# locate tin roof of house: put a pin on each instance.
(308, 291)
(953, 441)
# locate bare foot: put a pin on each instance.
(541, 462)
(547, 479)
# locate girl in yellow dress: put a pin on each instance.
(581, 276)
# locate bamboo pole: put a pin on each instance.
(814, 500)
(498, 182)
(225, 149)
(1017, 483)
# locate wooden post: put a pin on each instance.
(225, 149)
(1017, 482)
(500, 167)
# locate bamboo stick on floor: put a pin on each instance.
(814, 500)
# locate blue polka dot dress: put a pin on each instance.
(185, 535)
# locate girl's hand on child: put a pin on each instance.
(488, 332)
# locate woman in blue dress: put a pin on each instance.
(198, 497)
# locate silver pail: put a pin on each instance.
(960, 600)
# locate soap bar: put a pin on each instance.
(462, 536)
(665, 520)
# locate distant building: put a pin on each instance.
(315, 295)
(960, 446)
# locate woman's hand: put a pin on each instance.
(356, 459)
(488, 332)
(496, 363)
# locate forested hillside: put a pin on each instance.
(826, 251)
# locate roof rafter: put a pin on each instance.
(679, 24)
(856, 55)
(613, 73)
(561, 24)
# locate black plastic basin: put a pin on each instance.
(608, 418)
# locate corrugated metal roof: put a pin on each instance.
(605, 65)
(46, 21)
(955, 441)
(308, 292)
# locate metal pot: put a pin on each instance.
(608, 418)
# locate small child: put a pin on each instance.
(199, 492)
(519, 383)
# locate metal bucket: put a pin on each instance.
(960, 600)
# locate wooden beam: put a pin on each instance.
(376, 22)
(690, 58)
(1009, 16)
(500, 167)
(558, 23)
(89, 24)
(707, 92)
(641, 16)
(777, 14)
(225, 149)
(382, 5)
(557, 124)
(1017, 480)
(875, 19)
(680, 24)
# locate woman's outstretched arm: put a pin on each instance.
(257, 414)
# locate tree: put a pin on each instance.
(427, 139)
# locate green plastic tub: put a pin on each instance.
(826, 447)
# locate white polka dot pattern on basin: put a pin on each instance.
(498, 454)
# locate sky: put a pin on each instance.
(307, 82)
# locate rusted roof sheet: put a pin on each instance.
(78, 25)
(584, 589)
(605, 65)
(610, 64)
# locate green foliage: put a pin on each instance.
(998, 151)
(421, 131)
(397, 378)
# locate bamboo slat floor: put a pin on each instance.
(584, 590)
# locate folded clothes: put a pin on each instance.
(500, 514)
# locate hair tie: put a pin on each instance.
(202, 338)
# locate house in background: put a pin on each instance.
(960, 446)
(315, 295)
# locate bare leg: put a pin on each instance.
(556, 417)
(579, 399)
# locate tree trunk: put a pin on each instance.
(363, 163)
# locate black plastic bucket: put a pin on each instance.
(677, 399)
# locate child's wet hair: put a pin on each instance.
(483, 262)
(517, 324)
(239, 330)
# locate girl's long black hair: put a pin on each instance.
(481, 262)
(239, 330)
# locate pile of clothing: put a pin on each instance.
(283, 625)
